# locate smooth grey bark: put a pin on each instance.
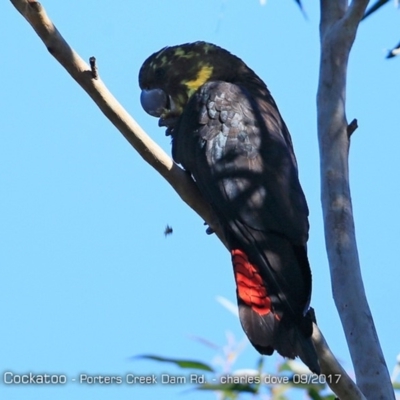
(338, 28)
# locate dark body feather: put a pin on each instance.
(231, 138)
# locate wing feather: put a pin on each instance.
(228, 133)
(239, 151)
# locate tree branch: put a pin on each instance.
(353, 125)
(88, 78)
(331, 11)
(356, 12)
(337, 36)
(93, 67)
(340, 383)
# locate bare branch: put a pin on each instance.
(394, 52)
(93, 67)
(337, 378)
(337, 37)
(95, 88)
(87, 77)
(356, 12)
(331, 11)
(376, 6)
(353, 125)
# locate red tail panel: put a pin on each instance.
(250, 286)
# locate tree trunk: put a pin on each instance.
(339, 23)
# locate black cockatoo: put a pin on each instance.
(228, 134)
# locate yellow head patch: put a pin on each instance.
(201, 78)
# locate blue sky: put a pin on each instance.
(88, 278)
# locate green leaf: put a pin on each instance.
(314, 394)
(378, 4)
(260, 364)
(278, 392)
(295, 367)
(229, 387)
(285, 367)
(188, 364)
